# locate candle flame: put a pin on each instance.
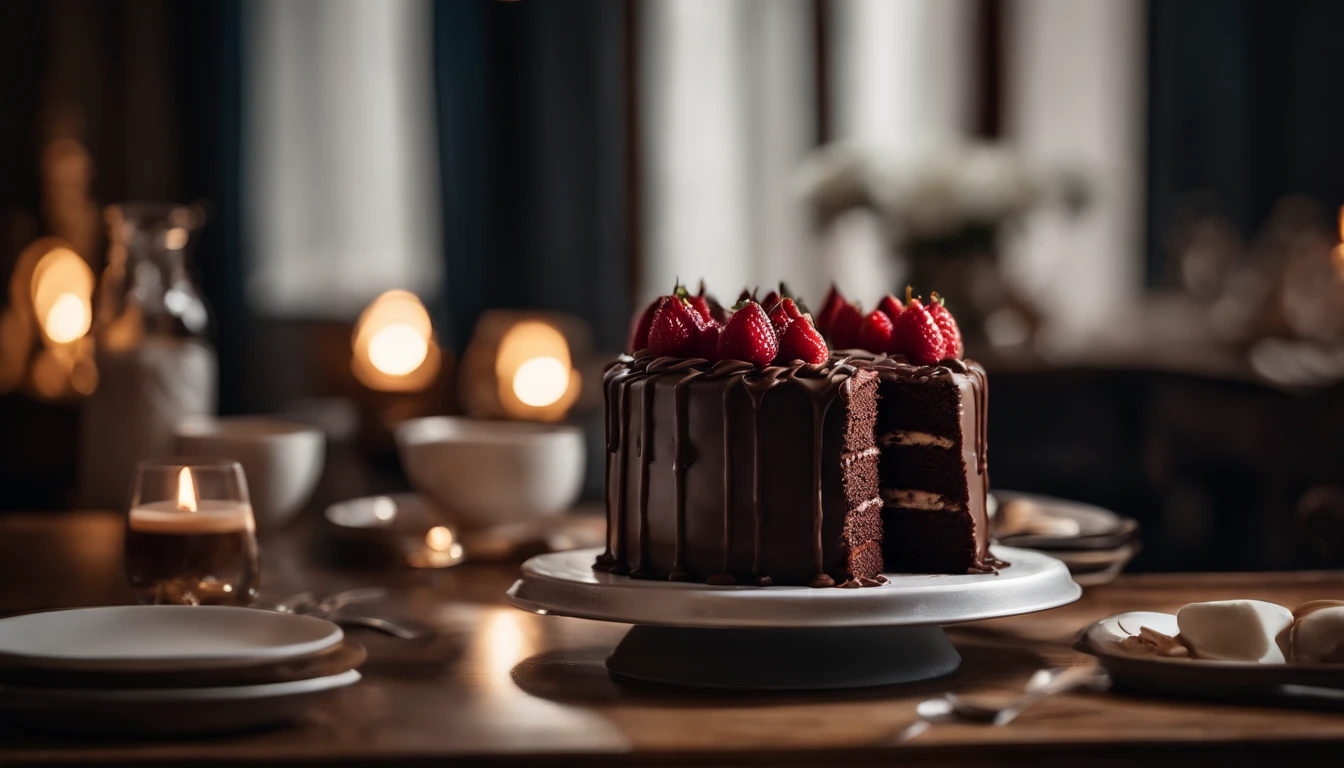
(541, 381)
(397, 349)
(68, 319)
(62, 292)
(393, 346)
(535, 373)
(439, 539)
(186, 491)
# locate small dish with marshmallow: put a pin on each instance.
(1222, 648)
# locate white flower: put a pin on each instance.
(935, 192)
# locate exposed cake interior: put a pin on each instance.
(860, 476)
(931, 478)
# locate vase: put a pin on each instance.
(156, 365)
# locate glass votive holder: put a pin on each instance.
(190, 534)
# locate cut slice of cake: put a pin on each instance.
(933, 470)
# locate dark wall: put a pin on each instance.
(1244, 103)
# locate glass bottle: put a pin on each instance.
(155, 362)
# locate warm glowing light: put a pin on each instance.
(186, 491)
(397, 349)
(536, 378)
(62, 293)
(439, 539)
(393, 348)
(68, 319)
(175, 239)
(541, 381)
(384, 508)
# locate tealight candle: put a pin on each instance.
(185, 549)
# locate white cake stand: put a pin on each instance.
(788, 638)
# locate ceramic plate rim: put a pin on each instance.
(332, 636)
(215, 693)
(1087, 643)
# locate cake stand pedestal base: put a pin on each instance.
(784, 659)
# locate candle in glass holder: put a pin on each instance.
(188, 550)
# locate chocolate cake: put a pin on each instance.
(730, 474)
(745, 452)
(740, 486)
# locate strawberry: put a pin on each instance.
(890, 305)
(639, 329)
(749, 336)
(716, 310)
(745, 295)
(698, 302)
(785, 312)
(709, 341)
(829, 306)
(676, 329)
(845, 326)
(875, 333)
(801, 341)
(771, 299)
(952, 346)
(701, 305)
(916, 335)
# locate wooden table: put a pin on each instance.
(498, 686)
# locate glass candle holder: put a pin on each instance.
(190, 535)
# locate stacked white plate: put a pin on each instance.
(167, 669)
(1097, 547)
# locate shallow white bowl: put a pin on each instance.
(282, 459)
(488, 473)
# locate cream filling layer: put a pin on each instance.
(853, 456)
(925, 500)
(905, 437)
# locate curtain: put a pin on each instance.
(1076, 97)
(726, 114)
(902, 79)
(341, 177)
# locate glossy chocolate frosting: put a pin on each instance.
(729, 474)
(732, 475)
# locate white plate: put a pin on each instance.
(139, 636)
(565, 583)
(1191, 677)
(167, 710)
(1098, 528)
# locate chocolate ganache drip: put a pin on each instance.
(820, 382)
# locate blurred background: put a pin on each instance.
(1132, 207)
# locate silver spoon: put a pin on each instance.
(1047, 682)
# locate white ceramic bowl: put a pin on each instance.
(282, 459)
(488, 473)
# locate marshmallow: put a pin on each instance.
(1234, 630)
(1318, 635)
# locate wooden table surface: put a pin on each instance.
(499, 686)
